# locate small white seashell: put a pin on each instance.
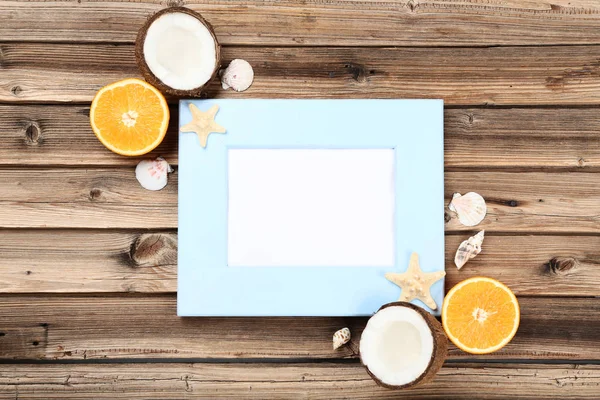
(340, 338)
(238, 75)
(470, 208)
(468, 249)
(152, 174)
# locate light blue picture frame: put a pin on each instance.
(207, 286)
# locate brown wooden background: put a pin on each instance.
(87, 257)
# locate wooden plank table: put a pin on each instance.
(88, 258)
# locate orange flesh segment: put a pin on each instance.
(481, 315)
(130, 117)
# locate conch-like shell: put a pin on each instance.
(468, 249)
(470, 208)
(238, 75)
(152, 174)
(340, 338)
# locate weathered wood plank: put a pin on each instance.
(92, 198)
(87, 261)
(533, 265)
(263, 22)
(521, 137)
(530, 201)
(123, 327)
(290, 381)
(474, 137)
(564, 75)
(61, 135)
(100, 261)
(112, 198)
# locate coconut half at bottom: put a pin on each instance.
(403, 346)
(177, 51)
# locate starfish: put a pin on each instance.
(416, 284)
(203, 123)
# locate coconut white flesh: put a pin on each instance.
(396, 345)
(180, 51)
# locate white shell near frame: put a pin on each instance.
(468, 249)
(470, 208)
(152, 174)
(237, 76)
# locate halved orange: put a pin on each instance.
(480, 315)
(130, 117)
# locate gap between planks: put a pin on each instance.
(475, 361)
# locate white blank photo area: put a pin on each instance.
(311, 207)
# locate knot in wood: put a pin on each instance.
(154, 249)
(32, 132)
(358, 72)
(555, 83)
(512, 203)
(15, 90)
(95, 194)
(561, 265)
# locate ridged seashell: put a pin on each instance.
(238, 75)
(341, 337)
(468, 249)
(470, 208)
(152, 174)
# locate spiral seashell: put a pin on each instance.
(468, 249)
(341, 337)
(470, 208)
(238, 75)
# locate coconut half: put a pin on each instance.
(403, 346)
(177, 52)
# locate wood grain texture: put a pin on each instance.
(530, 201)
(112, 198)
(90, 261)
(521, 138)
(84, 198)
(63, 327)
(548, 75)
(87, 261)
(61, 135)
(290, 381)
(99, 284)
(474, 137)
(532, 265)
(313, 22)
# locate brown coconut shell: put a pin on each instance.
(438, 356)
(147, 73)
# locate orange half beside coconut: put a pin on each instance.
(130, 117)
